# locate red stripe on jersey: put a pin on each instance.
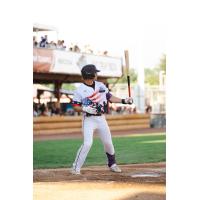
(76, 104)
(93, 94)
(97, 96)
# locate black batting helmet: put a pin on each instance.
(89, 71)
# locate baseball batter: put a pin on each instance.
(91, 98)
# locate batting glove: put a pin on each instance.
(89, 109)
(128, 100)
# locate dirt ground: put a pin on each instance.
(136, 182)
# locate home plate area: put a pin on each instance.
(136, 182)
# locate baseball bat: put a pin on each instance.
(127, 72)
(129, 87)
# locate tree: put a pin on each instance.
(162, 64)
(65, 86)
(152, 75)
(68, 86)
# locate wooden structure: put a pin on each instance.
(72, 124)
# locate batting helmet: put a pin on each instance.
(89, 71)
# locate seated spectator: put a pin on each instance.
(119, 109)
(69, 109)
(44, 110)
(63, 44)
(59, 44)
(44, 42)
(88, 49)
(52, 109)
(76, 49)
(52, 45)
(148, 109)
(105, 53)
(35, 43)
(55, 45)
(35, 110)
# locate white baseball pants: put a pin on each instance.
(89, 124)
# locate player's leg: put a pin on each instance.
(105, 136)
(87, 129)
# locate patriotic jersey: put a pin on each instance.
(87, 96)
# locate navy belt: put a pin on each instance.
(88, 115)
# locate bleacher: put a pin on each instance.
(73, 124)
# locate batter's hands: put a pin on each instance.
(89, 109)
(129, 100)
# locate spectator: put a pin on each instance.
(35, 110)
(88, 49)
(105, 53)
(62, 43)
(35, 43)
(76, 49)
(42, 107)
(148, 109)
(52, 45)
(59, 44)
(52, 108)
(44, 110)
(69, 109)
(44, 42)
(119, 109)
(55, 45)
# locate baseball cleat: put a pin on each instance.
(115, 168)
(74, 172)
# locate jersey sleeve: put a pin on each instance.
(108, 94)
(77, 100)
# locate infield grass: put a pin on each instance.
(129, 149)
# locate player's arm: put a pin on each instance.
(78, 108)
(77, 105)
(82, 108)
(77, 102)
(115, 99)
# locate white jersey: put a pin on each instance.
(97, 97)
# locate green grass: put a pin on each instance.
(129, 149)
